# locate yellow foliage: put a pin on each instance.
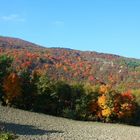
(106, 112)
(102, 101)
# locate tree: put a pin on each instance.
(11, 88)
(28, 85)
(63, 95)
(5, 67)
(45, 97)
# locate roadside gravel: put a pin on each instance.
(35, 126)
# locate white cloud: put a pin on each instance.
(58, 23)
(13, 17)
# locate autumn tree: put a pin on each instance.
(11, 88)
(5, 66)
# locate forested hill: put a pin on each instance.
(72, 65)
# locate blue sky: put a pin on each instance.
(110, 26)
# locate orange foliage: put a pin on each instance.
(104, 89)
(11, 87)
(65, 68)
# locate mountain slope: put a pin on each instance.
(73, 65)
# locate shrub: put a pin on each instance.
(136, 94)
(7, 136)
(125, 106)
(44, 85)
(82, 96)
(112, 106)
(69, 113)
(81, 107)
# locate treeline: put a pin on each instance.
(35, 91)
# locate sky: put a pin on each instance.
(108, 26)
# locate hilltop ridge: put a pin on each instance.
(72, 65)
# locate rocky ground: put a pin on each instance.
(35, 126)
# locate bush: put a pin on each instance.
(7, 136)
(102, 106)
(81, 107)
(136, 94)
(112, 106)
(125, 106)
(81, 98)
(69, 113)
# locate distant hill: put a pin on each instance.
(73, 65)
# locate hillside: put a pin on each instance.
(73, 65)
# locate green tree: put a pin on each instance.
(63, 94)
(29, 89)
(45, 97)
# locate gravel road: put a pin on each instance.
(35, 126)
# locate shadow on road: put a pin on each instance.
(26, 129)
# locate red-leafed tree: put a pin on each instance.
(11, 87)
